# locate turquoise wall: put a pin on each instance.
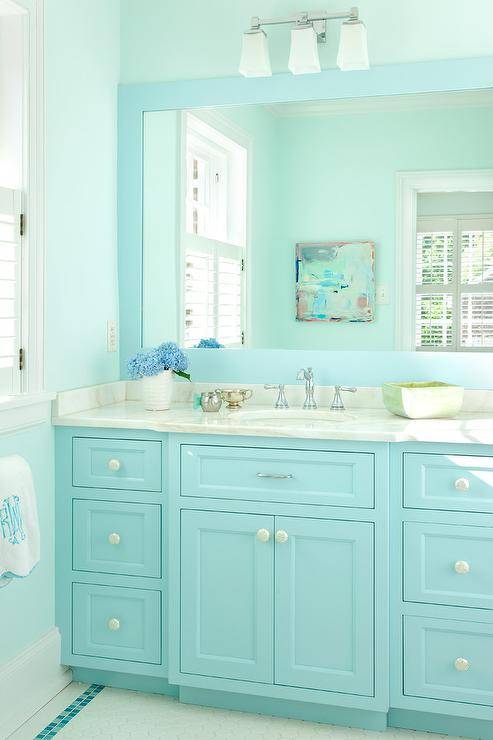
(161, 226)
(167, 41)
(81, 74)
(82, 70)
(27, 606)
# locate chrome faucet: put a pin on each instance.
(337, 402)
(307, 376)
(282, 402)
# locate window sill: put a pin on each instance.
(24, 411)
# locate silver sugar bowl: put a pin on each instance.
(211, 400)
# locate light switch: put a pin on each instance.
(111, 336)
(383, 295)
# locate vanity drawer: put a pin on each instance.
(124, 464)
(448, 482)
(297, 476)
(117, 538)
(448, 564)
(117, 623)
(448, 659)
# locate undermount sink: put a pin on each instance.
(271, 417)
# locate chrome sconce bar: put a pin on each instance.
(309, 30)
(316, 18)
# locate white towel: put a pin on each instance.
(19, 526)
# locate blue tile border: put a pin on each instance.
(69, 712)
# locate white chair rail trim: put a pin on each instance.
(24, 411)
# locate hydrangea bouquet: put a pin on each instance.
(210, 343)
(168, 356)
(156, 367)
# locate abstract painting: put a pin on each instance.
(335, 281)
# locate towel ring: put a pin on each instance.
(5, 582)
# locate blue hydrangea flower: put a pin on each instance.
(145, 363)
(211, 343)
(172, 357)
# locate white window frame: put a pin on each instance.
(32, 266)
(409, 185)
(224, 126)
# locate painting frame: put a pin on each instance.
(335, 281)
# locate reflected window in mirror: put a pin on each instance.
(454, 282)
(214, 239)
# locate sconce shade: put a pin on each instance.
(353, 47)
(303, 55)
(255, 61)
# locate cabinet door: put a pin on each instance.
(227, 591)
(324, 605)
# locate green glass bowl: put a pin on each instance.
(429, 400)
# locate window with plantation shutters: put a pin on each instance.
(213, 292)
(214, 239)
(454, 283)
(10, 285)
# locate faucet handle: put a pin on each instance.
(281, 402)
(337, 402)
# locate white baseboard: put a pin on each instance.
(30, 680)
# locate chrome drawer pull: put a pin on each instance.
(263, 535)
(462, 567)
(281, 536)
(114, 624)
(114, 538)
(461, 664)
(462, 484)
(114, 465)
(275, 476)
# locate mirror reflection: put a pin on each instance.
(274, 226)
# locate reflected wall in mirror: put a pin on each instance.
(230, 192)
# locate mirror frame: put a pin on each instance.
(135, 100)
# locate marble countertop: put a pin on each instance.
(360, 424)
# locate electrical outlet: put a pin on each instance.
(111, 336)
(383, 295)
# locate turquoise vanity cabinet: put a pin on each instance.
(278, 600)
(278, 576)
(343, 582)
(111, 555)
(442, 584)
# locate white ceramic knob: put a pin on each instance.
(462, 484)
(114, 624)
(114, 465)
(461, 664)
(281, 536)
(462, 567)
(263, 535)
(114, 538)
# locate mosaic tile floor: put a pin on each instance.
(115, 714)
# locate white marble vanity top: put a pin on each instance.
(112, 406)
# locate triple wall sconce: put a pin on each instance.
(310, 29)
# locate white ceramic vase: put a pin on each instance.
(157, 391)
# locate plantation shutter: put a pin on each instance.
(476, 283)
(213, 291)
(10, 290)
(229, 279)
(454, 283)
